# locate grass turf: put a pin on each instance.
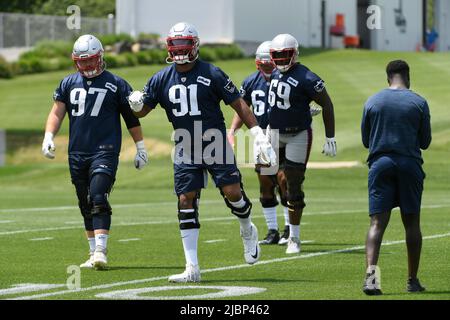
(37, 201)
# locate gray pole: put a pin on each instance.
(2, 147)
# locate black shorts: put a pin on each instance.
(191, 177)
(395, 181)
(84, 166)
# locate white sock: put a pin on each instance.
(271, 217)
(190, 242)
(294, 231)
(245, 222)
(91, 244)
(286, 216)
(101, 240)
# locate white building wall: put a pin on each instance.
(260, 20)
(391, 37)
(213, 19)
(442, 20)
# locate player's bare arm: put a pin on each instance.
(55, 117)
(244, 113)
(236, 123)
(324, 100)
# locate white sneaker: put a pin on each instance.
(89, 263)
(191, 274)
(252, 250)
(100, 259)
(293, 245)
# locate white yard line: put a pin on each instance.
(41, 239)
(168, 203)
(229, 218)
(5, 221)
(214, 241)
(128, 240)
(239, 266)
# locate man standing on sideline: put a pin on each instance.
(395, 126)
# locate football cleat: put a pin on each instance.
(89, 262)
(272, 237)
(293, 245)
(414, 285)
(284, 238)
(372, 283)
(100, 259)
(252, 251)
(191, 274)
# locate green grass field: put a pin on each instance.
(41, 230)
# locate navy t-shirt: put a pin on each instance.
(191, 96)
(290, 94)
(396, 121)
(94, 106)
(254, 90)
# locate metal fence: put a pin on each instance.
(25, 30)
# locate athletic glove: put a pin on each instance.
(136, 101)
(141, 158)
(314, 110)
(330, 148)
(263, 152)
(48, 146)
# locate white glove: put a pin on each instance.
(330, 148)
(141, 158)
(136, 101)
(263, 153)
(48, 146)
(314, 110)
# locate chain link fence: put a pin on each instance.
(25, 30)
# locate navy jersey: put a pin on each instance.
(94, 106)
(254, 91)
(191, 96)
(290, 94)
(396, 122)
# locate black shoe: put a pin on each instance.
(414, 286)
(372, 292)
(272, 237)
(284, 238)
(371, 287)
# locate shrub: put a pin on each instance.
(111, 39)
(6, 70)
(111, 61)
(208, 54)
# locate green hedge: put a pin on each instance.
(56, 55)
(6, 70)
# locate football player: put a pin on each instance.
(94, 99)
(190, 91)
(254, 91)
(291, 91)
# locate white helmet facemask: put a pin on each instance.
(182, 44)
(284, 51)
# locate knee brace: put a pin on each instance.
(243, 212)
(188, 218)
(268, 203)
(99, 193)
(84, 202)
(295, 175)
